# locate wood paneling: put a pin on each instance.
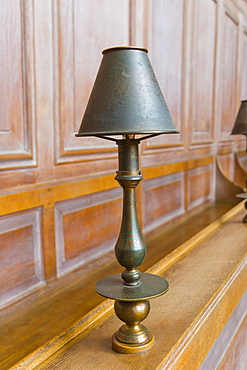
(227, 165)
(80, 43)
(207, 281)
(235, 356)
(199, 185)
(166, 55)
(83, 232)
(17, 84)
(228, 352)
(228, 81)
(21, 255)
(44, 89)
(162, 200)
(86, 202)
(243, 80)
(203, 68)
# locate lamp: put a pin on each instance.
(126, 100)
(240, 128)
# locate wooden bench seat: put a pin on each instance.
(207, 276)
(48, 315)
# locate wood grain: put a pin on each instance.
(77, 63)
(202, 79)
(22, 265)
(166, 30)
(229, 69)
(227, 164)
(199, 189)
(162, 200)
(182, 320)
(97, 234)
(16, 139)
(62, 302)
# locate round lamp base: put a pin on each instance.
(127, 348)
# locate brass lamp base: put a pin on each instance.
(125, 348)
(132, 306)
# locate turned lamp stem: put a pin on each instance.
(130, 248)
(133, 291)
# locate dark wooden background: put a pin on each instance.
(60, 206)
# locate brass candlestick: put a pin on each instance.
(131, 289)
(126, 100)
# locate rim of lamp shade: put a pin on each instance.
(124, 48)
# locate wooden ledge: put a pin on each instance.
(48, 194)
(207, 277)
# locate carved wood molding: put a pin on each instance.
(48, 195)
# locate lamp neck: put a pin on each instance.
(130, 248)
(128, 158)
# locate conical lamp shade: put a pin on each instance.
(126, 97)
(240, 126)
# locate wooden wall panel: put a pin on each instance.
(162, 200)
(21, 256)
(82, 34)
(203, 68)
(227, 165)
(16, 108)
(243, 77)
(228, 85)
(86, 228)
(166, 55)
(228, 351)
(200, 185)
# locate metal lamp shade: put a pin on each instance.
(240, 126)
(126, 98)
